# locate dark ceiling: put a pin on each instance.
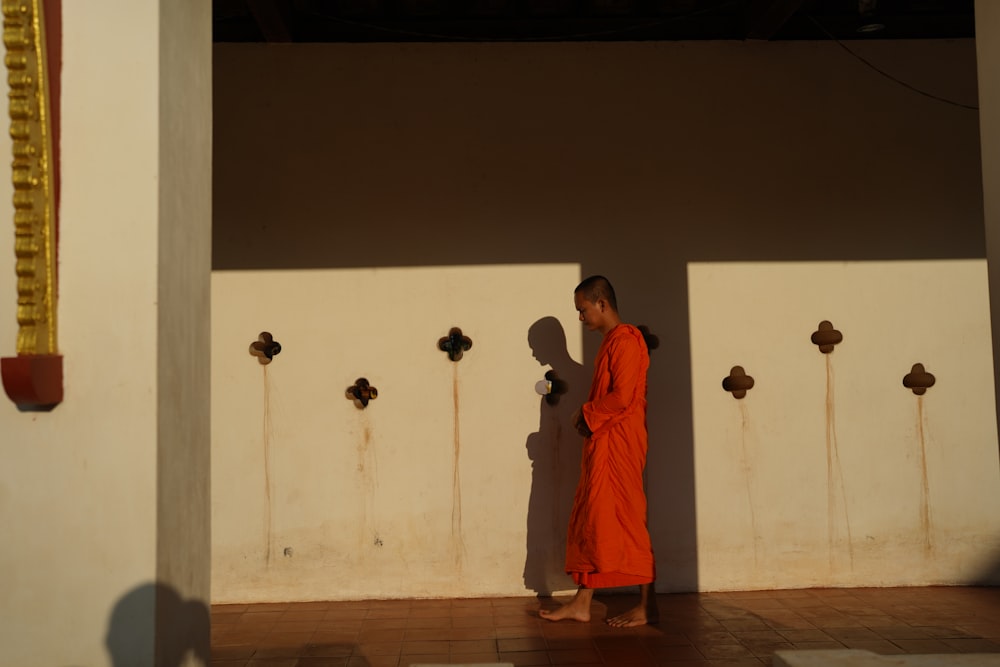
(587, 20)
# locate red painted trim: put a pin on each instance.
(33, 381)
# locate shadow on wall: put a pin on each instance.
(989, 576)
(154, 617)
(554, 451)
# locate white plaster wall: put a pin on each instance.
(85, 531)
(77, 488)
(631, 160)
(423, 493)
(830, 472)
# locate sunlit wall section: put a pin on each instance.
(438, 485)
(843, 467)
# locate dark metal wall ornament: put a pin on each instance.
(361, 392)
(826, 337)
(455, 344)
(265, 348)
(738, 382)
(918, 379)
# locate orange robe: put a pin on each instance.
(608, 543)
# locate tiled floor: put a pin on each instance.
(695, 630)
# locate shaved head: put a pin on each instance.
(595, 288)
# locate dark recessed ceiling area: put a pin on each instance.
(587, 20)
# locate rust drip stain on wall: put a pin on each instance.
(458, 544)
(925, 489)
(834, 475)
(368, 470)
(748, 478)
(267, 468)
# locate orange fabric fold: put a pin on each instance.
(608, 541)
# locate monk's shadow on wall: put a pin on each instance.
(554, 450)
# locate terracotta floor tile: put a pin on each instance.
(900, 632)
(628, 658)
(340, 624)
(435, 611)
(923, 646)
(277, 652)
(226, 637)
(472, 621)
(427, 646)
(232, 652)
(973, 645)
(473, 646)
(713, 637)
(281, 627)
(841, 634)
(766, 648)
(385, 624)
(379, 648)
(569, 643)
(382, 613)
(472, 603)
(323, 662)
(471, 633)
(740, 629)
(574, 656)
(222, 617)
(268, 606)
(514, 631)
(880, 646)
(425, 659)
(473, 658)
(426, 634)
(525, 658)
(790, 623)
(329, 650)
(805, 635)
(817, 646)
(261, 616)
(380, 635)
(743, 625)
(521, 644)
(977, 629)
(666, 639)
(291, 638)
(673, 653)
(421, 623)
(937, 632)
(724, 651)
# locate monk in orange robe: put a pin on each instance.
(608, 541)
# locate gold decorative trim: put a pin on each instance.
(31, 132)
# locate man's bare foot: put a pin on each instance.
(634, 617)
(644, 613)
(568, 610)
(577, 609)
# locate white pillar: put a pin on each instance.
(105, 500)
